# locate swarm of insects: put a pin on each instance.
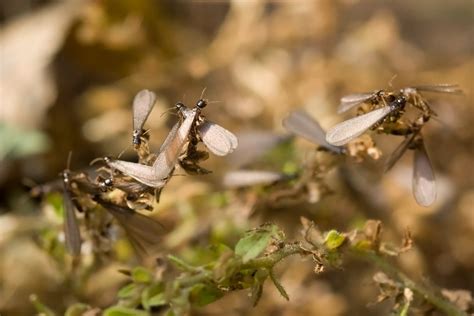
(138, 182)
(384, 113)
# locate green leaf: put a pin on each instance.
(124, 311)
(334, 239)
(153, 296)
(157, 300)
(127, 291)
(141, 275)
(256, 241)
(17, 143)
(278, 285)
(55, 199)
(203, 294)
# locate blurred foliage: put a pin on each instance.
(68, 73)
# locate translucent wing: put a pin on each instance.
(424, 184)
(217, 139)
(72, 233)
(169, 137)
(142, 173)
(173, 146)
(142, 105)
(301, 123)
(398, 152)
(352, 100)
(345, 131)
(443, 88)
(253, 145)
(241, 178)
(144, 233)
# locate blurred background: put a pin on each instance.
(70, 69)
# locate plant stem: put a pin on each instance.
(428, 294)
(270, 260)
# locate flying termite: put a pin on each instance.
(346, 131)
(216, 138)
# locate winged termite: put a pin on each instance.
(424, 184)
(142, 106)
(216, 138)
(352, 100)
(301, 123)
(344, 132)
(156, 175)
(242, 178)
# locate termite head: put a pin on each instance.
(136, 137)
(201, 103)
(106, 184)
(180, 106)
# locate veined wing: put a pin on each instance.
(346, 131)
(169, 137)
(352, 100)
(302, 124)
(217, 139)
(442, 88)
(142, 105)
(398, 152)
(144, 233)
(142, 173)
(168, 157)
(72, 233)
(242, 178)
(424, 184)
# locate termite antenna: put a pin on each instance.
(390, 82)
(69, 158)
(169, 110)
(93, 162)
(202, 93)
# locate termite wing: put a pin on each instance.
(243, 178)
(346, 131)
(142, 105)
(423, 180)
(441, 88)
(216, 138)
(424, 184)
(254, 144)
(302, 124)
(352, 100)
(144, 233)
(72, 233)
